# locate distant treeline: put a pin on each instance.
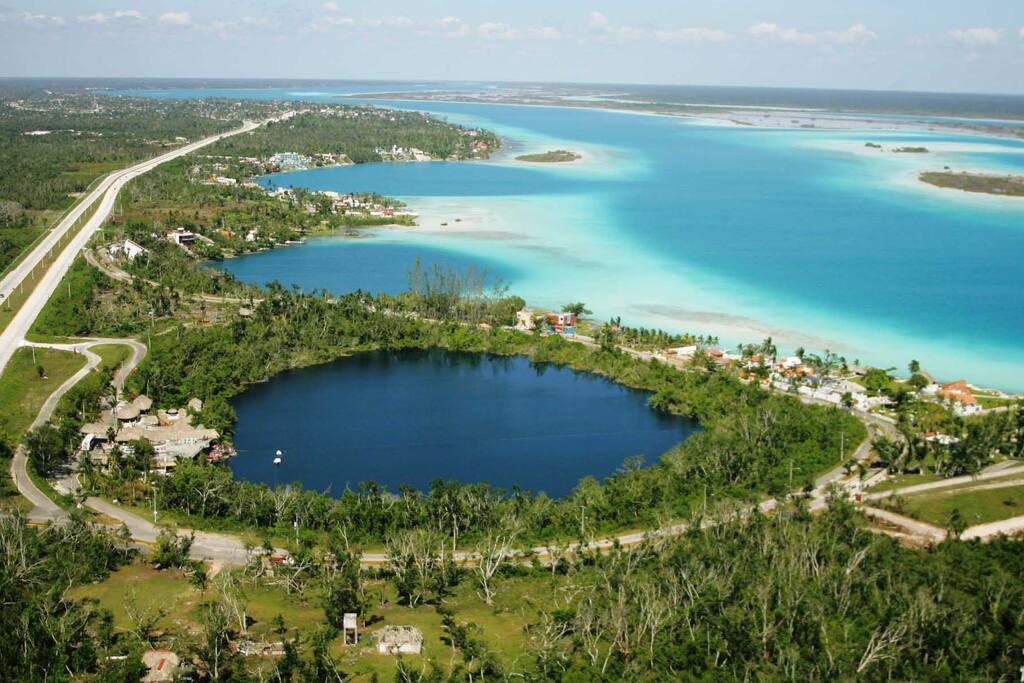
(358, 132)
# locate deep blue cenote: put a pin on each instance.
(410, 417)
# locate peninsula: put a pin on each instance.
(554, 156)
(1006, 185)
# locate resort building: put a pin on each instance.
(171, 432)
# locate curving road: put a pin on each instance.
(105, 193)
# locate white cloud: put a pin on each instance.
(858, 34)
(975, 37)
(331, 6)
(1021, 32)
(490, 30)
(544, 33)
(41, 19)
(692, 35)
(782, 34)
(629, 34)
(599, 22)
(328, 21)
(101, 18)
(452, 27)
(392, 22)
(176, 18)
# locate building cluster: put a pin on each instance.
(396, 153)
(171, 432)
(558, 323)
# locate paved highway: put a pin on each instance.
(106, 193)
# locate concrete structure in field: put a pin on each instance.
(399, 640)
(350, 623)
(162, 665)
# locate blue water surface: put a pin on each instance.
(414, 416)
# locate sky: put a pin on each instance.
(937, 45)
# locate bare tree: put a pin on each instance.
(495, 550)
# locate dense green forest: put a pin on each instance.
(358, 132)
(47, 635)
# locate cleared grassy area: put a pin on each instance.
(142, 589)
(977, 507)
(23, 392)
(900, 480)
(113, 355)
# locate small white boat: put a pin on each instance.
(277, 457)
(277, 461)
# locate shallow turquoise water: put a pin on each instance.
(736, 231)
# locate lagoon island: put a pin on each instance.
(555, 156)
(1006, 185)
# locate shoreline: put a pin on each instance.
(732, 118)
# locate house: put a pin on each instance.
(128, 249)
(940, 438)
(524, 320)
(399, 640)
(961, 396)
(682, 351)
(563, 323)
(162, 665)
(181, 237)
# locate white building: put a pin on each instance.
(128, 249)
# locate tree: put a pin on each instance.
(578, 309)
(343, 590)
(494, 550)
(46, 449)
(171, 550)
(955, 523)
(914, 367)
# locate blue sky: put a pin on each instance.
(945, 45)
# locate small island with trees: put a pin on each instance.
(1007, 185)
(554, 156)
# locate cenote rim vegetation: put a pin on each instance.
(413, 416)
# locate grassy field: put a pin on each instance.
(22, 392)
(139, 588)
(112, 354)
(977, 506)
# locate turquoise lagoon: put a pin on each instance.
(804, 235)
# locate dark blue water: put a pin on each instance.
(413, 416)
(345, 265)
